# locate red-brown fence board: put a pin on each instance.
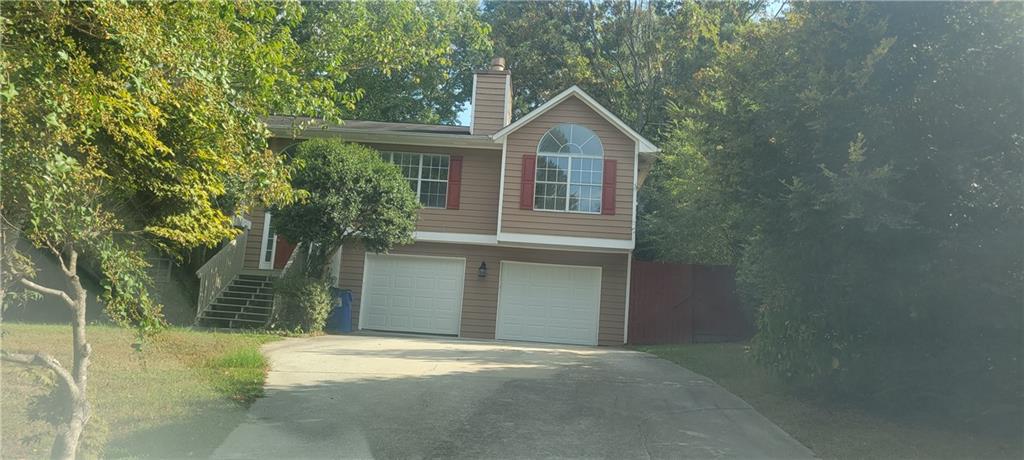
(681, 303)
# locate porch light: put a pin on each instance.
(482, 272)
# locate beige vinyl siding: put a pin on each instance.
(255, 240)
(480, 295)
(489, 102)
(617, 146)
(478, 205)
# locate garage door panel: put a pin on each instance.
(413, 294)
(549, 303)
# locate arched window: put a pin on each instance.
(569, 170)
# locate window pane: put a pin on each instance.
(409, 163)
(592, 147)
(587, 171)
(435, 167)
(561, 133)
(585, 198)
(433, 194)
(432, 189)
(549, 196)
(552, 169)
(548, 144)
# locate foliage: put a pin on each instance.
(305, 303)
(352, 192)
(633, 57)
(864, 162)
(134, 126)
(426, 75)
(679, 218)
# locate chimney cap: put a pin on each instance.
(496, 67)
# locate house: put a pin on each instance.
(526, 231)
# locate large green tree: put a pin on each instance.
(137, 126)
(862, 164)
(404, 61)
(635, 57)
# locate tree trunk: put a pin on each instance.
(69, 432)
(69, 435)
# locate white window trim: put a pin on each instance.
(265, 264)
(568, 183)
(419, 175)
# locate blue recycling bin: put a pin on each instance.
(340, 318)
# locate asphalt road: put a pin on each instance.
(362, 396)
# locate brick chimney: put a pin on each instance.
(492, 98)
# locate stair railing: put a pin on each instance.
(293, 261)
(218, 272)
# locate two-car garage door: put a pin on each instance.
(536, 302)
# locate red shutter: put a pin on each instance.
(608, 188)
(526, 184)
(454, 181)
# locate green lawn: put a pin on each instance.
(830, 431)
(179, 396)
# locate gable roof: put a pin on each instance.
(644, 145)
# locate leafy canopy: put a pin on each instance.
(426, 73)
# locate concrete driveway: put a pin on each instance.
(362, 396)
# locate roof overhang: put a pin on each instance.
(643, 145)
(289, 131)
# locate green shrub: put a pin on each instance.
(302, 303)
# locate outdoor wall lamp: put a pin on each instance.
(482, 272)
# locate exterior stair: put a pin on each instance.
(246, 303)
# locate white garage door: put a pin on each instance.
(412, 294)
(549, 303)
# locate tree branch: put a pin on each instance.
(60, 258)
(49, 291)
(43, 360)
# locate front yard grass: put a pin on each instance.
(177, 396)
(833, 431)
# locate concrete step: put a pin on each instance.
(213, 314)
(250, 290)
(229, 323)
(252, 284)
(240, 308)
(247, 295)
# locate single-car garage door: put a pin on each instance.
(412, 294)
(549, 303)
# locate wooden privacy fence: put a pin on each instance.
(681, 303)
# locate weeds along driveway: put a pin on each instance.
(363, 396)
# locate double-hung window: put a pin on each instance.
(427, 174)
(570, 169)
